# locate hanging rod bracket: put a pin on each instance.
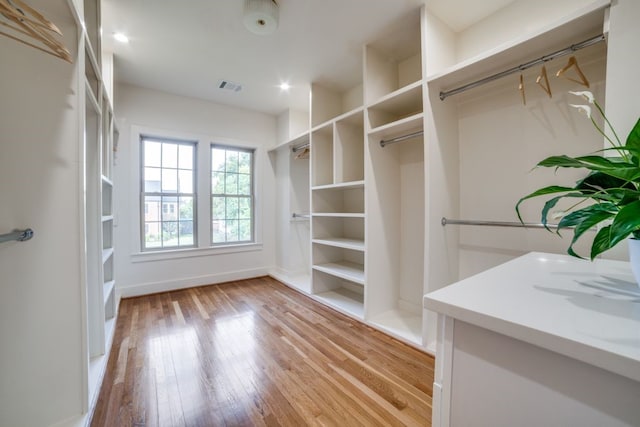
(17, 235)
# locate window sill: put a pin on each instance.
(193, 252)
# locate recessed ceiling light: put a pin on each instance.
(285, 86)
(121, 37)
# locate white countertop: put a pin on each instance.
(589, 311)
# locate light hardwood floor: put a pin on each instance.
(255, 352)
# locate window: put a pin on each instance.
(232, 195)
(168, 193)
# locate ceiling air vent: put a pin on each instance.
(230, 86)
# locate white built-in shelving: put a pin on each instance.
(99, 141)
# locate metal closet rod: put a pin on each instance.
(447, 221)
(297, 215)
(19, 235)
(522, 67)
(384, 142)
(300, 147)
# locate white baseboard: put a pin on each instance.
(190, 282)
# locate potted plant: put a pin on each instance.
(608, 196)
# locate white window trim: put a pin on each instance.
(203, 185)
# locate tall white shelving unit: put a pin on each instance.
(99, 136)
(377, 240)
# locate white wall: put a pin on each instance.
(173, 115)
(41, 188)
(511, 22)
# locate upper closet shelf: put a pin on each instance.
(398, 128)
(349, 117)
(574, 28)
(293, 142)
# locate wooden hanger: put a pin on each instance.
(573, 62)
(521, 89)
(29, 27)
(543, 81)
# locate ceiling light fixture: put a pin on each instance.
(284, 86)
(261, 16)
(121, 37)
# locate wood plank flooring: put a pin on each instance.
(255, 352)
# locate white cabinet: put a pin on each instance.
(543, 339)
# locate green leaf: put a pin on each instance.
(633, 140)
(541, 192)
(586, 218)
(601, 242)
(615, 168)
(625, 222)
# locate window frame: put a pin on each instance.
(194, 195)
(251, 196)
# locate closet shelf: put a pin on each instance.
(400, 323)
(107, 181)
(349, 116)
(399, 97)
(340, 186)
(401, 127)
(343, 269)
(106, 253)
(574, 28)
(300, 139)
(343, 300)
(108, 288)
(341, 242)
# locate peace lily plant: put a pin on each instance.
(608, 197)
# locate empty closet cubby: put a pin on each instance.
(343, 295)
(394, 61)
(339, 232)
(339, 200)
(328, 104)
(340, 262)
(395, 233)
(349, 148)
(322, 156)
(398, 108)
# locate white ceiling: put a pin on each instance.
(186, 47)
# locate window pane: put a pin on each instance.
(152, 235)
(169, 211)
(152, 153)
(218, 233)
(232, 208)
(217, 159)
(152, 211)
(185, 233)
(245, 230)
(244, 162)
(186, 208)
(217, 183)
(169, 155)
(169, 180)
(152, 180)
(185, 181)
(185, 156)
(232, 161)
(244, 184)
(231, 186)
(244, 207)
(232, 230)
(169, 233)
(218, 208)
